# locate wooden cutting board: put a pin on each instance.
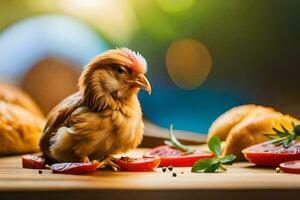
(242, 180)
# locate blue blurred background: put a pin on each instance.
(204, 56)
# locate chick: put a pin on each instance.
(104, 117)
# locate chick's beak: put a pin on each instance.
(143, 83)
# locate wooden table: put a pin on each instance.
(241, 181)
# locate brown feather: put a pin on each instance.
(57, 118)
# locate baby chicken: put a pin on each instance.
(104, 117)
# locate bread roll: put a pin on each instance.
(223, 124)
(250, 130)
(14, 95)
(20, 130)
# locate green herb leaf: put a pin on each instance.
(271, 135)
(288, 141)
(228, 159)
(204, 164)
(215, 163)
(276, 130)
(214, 145)
(297, 130)
(213, 168)
(284, 129)
(285, 137)
(173, 142)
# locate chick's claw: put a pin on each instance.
(108, 162)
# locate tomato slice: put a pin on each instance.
(33, 162)
(270, 155)
(138, 164)
(173, 157)
(291, 167)
(74, 168)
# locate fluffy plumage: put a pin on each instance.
(139, 63)
(104, 117)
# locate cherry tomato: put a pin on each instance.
(270, 155)
(173, 157)
(138, 164)
(291, 167)
(74, 168)
(33, 162)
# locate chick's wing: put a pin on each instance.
(58, 117)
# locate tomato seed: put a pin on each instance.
(277, 169)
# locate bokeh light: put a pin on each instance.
(188, 63)
(117, 15)
(245, 46)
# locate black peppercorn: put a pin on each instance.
(164, 169)
(170, 168)
(174, 174)
(40, 171)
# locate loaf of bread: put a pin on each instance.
(12, 94)
(20, 130)
(21, 122)
(221, 126)
(244, 126)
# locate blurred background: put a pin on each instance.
(204, 56)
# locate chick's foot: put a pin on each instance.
(109, 161)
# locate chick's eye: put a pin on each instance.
(120, 69)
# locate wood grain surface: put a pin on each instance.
(240, 179)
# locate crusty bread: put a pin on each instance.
(243, 126)
(12, 94)
(224, 123)
(20, 130)
(250, 130)
(21, 121)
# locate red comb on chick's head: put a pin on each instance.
(138, 63)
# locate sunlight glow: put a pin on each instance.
(188, 63)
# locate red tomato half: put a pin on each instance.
(33, 162)
(270, 155)
(291, 167)
(138, 164)
(176, 158)
(74, 168)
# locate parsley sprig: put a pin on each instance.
(173, 142)
(215, 163)
(286, 136)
